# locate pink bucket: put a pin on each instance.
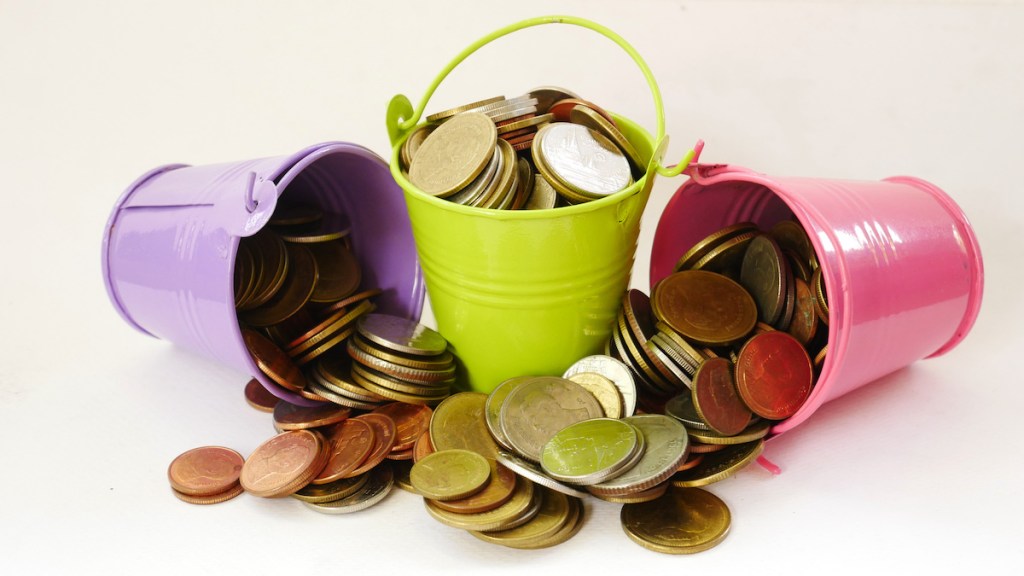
(901, 264)
(170, 244)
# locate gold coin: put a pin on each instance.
(542, 195)
(754, 431)
(503, 181)
(392, 395)
(459, 422)
(701, 248)
(805, 319)
(683, 521)
(413, 143)
(518, 506)
(567, 531)
(328, 328)
(440, 362)
(719, 465)
(727, 257)
(637, 497)
(454, 154)
(481, 186)
(296, 290)
(334, 341)
(464, 108)
(704, 307)
(320, 493)
(525, 123)
(553, 514)
(338, 271)
(603, 389)
(450, 474)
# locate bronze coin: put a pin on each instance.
(288, 416)
(692, 461)
(400, 455)
(704, 307)
(710, 242)
(271, 263)
(284, 464)
(294, 293)
(357, 297)
(791, 236)
(351, 441)
(496, 492)
(332, 226)
(411, 421)
(423, 447)
(763, 274)
(291, 328)
(273, 361)
(245, 275)
(205, 471)
(560, 110)
(716, 399)
(727, 257)
(295, 215)
(339, 271)
(212, 498)
(774, 375)
(259, 397)
(328, 330)
(636, 311)
(702, 448)
(383, 440)
(805, 319)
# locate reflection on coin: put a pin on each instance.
(590, 451)
(520, 507)
(205, 471)
(666, 447)
(453, 154)
(377, 487)
(774, 375)
(401, 334)
(411, 421)
(450, 474)
(581, 159)
(383, 441)
(613, 370)
(536, 410)
(683, 521)
(500, 485)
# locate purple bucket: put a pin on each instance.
(170, 244)
(901, 264)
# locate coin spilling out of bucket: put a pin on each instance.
(543, 149)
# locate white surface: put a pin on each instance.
(919, 473)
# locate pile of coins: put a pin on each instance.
(311, 331)
(543, 149)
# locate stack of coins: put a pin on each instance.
(206, 475)
(536, 151)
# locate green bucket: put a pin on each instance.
(528, 292)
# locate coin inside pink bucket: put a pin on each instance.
(237, 264)
(899, 263)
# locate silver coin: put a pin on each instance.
(535, 410)
(492, 408)
(530, 471)
(668, 362)
(678, 355)
(401, 334)
(315, 386)
(667, 447)
(681, 408)
(379, 485)
(583, 160)
(612, 369)
(475, 189)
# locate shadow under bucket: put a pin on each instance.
(901, 265)
(171, 241)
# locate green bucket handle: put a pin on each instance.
(402, 118)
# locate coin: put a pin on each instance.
(805, 319)
(450, 474)
(517, 508)
(542, 196)
(681, 408)
(704, 307)
(453, 154)
(683, 521)
(411, 421)
(296, 290)
(820, 297)
(756, 430)
(526, 469)
(402, 335)
(423, 447)
(637, 319)
(498, 489)
(205, 471)
(484, 182)
(763, 274)
(259, 397)
(701, 249)
(604, 391)
(338, 272)
(288, 416)
(328, 329)
(270, 260)
(464, 108)
(612, 369)
(333, 226)
(727, 257)
(273, 361)
(666, 446)
(224, 496)
(647, 495)
(350, 444)
(332, 491)
(536, 410)
(554, 513)
(548, 95)
(284, 464)
(790, 235)
(492, 408)
(439, 362)
(581, 159)
(413, 142)
(383, 441)
(561, 109)
(568, 530)
(379, 484)
(586, 116)
(716, 399)
(459, 422)
(591, 451)
(774, 375)
(719, 465)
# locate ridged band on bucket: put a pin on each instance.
(901, 264)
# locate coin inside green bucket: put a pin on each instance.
(591, 451)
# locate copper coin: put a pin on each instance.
(259, 397)
(383, 440)
(284, 464)
(716, 399)
(636, 311)
(212, 498)
(205, 471)
(328, 330)
(288, 416)
(339, 272)
(763, 273)
(291, 328)
(774, 375)
(805, 319)
(411, 421)
(351, 442)
(692, 461)
(704, 307)
(294, 293)
(496, 492)
(423, 447)
(273, 361)
(702, 448)
(357, 297)
(400, 455)
(560, 110)
(270, 267)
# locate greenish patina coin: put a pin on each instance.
(591, 451)
(450, 474)
(666, 447)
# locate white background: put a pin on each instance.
(918, 473)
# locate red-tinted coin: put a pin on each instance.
(716, 399)
(773, 375)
